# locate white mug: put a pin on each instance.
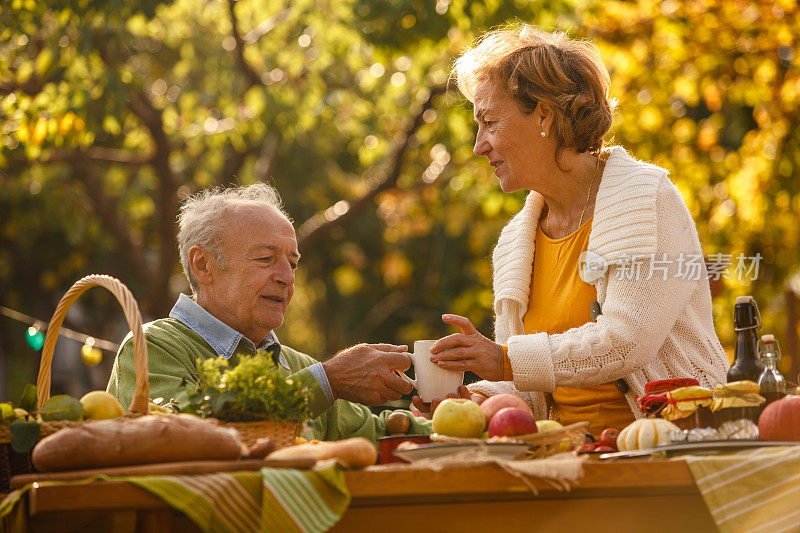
(432, 381)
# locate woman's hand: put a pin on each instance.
(429, 408)
(468, 350)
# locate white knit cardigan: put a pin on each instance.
(650, 329)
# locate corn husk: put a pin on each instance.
(684, 401)
(737, 394)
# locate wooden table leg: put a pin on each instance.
(154, 521)
(123, 522)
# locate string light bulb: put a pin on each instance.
(91, 356)
(34, 337)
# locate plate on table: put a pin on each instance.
(502, 450)
(703, 446)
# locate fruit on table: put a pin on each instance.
(605, 449)
(609, 437)
(587, 447)
(645, 433)
(397, 423)
(459, 417)
(62, 407)
(547, 425)
(260, 449)
(157, 409)
(493, 404)
(100, 405)
(780, 420)
(352, 453)
(512, 421)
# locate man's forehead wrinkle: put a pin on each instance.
(273, 247)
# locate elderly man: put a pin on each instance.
(239, 251)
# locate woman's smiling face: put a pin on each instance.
(509, 138)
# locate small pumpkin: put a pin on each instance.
(780, 420)
(645, 433)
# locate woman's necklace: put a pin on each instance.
(588, 195)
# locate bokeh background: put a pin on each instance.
(112, 111)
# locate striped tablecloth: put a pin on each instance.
(754, 491)
(273, 499)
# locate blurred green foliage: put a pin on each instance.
(112, 112)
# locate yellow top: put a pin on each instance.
(561, 300)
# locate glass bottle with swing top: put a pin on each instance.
(746, 320)
(771, 381)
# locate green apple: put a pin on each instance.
(459, 417)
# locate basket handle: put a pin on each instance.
(141, 396)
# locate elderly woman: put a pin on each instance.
(578, 339)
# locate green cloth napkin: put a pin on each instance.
(12, 512)
(754, 490)
(272, 499)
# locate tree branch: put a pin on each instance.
(318, 226)
(265, 158)
(234, 159)
(382, 310)
(250, 74)
(266, 26)
(166, 200)
(32, 86)
(166, 197)
(99, 153)
(110, 212)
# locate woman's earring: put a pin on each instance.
(543, 134)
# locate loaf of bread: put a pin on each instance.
(352, 453)
(133, 441)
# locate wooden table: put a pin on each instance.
(650, 496)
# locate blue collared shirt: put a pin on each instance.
(224, 339)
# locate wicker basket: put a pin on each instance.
(555, 441)
(544, 444)
(12, 463)
(282, 433)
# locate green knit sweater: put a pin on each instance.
(173, 348)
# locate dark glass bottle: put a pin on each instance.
(771, 381)
(746, 321)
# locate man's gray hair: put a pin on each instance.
(202, 219)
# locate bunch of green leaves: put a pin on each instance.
(23, 418)
(254, 389)
(23, 428)
(27, 402)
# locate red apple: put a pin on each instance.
(512, 421)
(609, 438)
(587, 447)
(493, 404)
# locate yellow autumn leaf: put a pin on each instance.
(39, 131)
(66, 122)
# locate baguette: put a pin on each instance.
(132, 441)
(352, 453)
